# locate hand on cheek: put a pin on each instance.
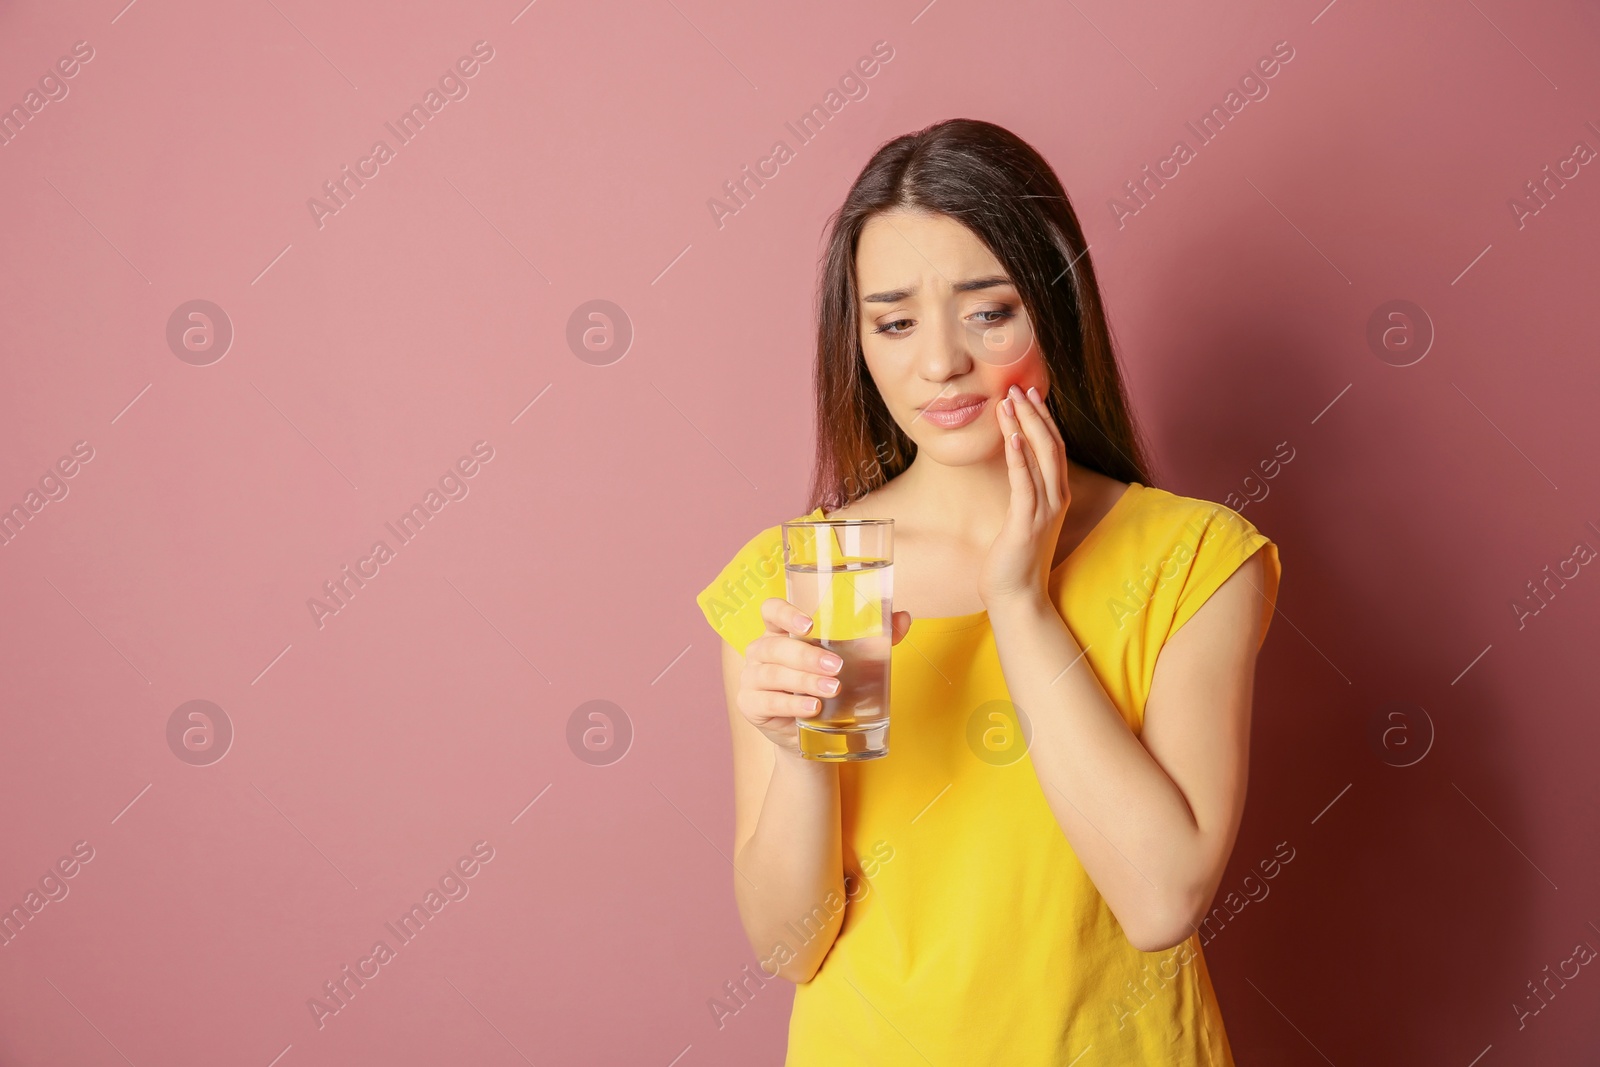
(1017, 566)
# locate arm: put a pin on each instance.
(787, 851)
(1154, 822)
(787, 848)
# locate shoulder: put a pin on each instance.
(731, 601)
(1187, 547)
(1194, 521)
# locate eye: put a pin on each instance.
(1003, 313)
(885, 328)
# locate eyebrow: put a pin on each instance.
(893, 296)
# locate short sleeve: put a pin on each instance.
(1224, 541)
(732, 602)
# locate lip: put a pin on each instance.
(952, 412)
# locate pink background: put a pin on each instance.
(426, 315)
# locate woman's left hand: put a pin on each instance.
(1018, 564)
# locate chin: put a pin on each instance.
(959, 448)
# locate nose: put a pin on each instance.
(942, 353)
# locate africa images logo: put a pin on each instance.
(452, 86)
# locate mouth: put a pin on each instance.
(954, 412)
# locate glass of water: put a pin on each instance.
(840, 572)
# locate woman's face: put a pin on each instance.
(942, 325)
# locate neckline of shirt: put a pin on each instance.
(978, 618)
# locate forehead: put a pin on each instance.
(901, 248)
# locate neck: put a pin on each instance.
(967, 502)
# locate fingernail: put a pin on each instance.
(803, 625)
(1033, 393)
(829, 685)
(830, 662)
(1006, 403)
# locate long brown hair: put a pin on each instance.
(998, 186)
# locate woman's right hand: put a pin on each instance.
(785, 677)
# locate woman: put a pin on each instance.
(1037, 899)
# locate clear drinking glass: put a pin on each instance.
(840, 572)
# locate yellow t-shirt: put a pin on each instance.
(972, 934)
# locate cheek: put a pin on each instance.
(1027, 371)
(875, 371)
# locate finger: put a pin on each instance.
(1043, 451)
(1061, 445)
(771, 677)
(1035, 476)
(1049, 419)
(783, 617)
(1024, 496)
(775, 708)
(1033, 418)
(1017, 441)
(793, 653)
(1016, 461)
(899, 626)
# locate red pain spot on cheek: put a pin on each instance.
(999, 380)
